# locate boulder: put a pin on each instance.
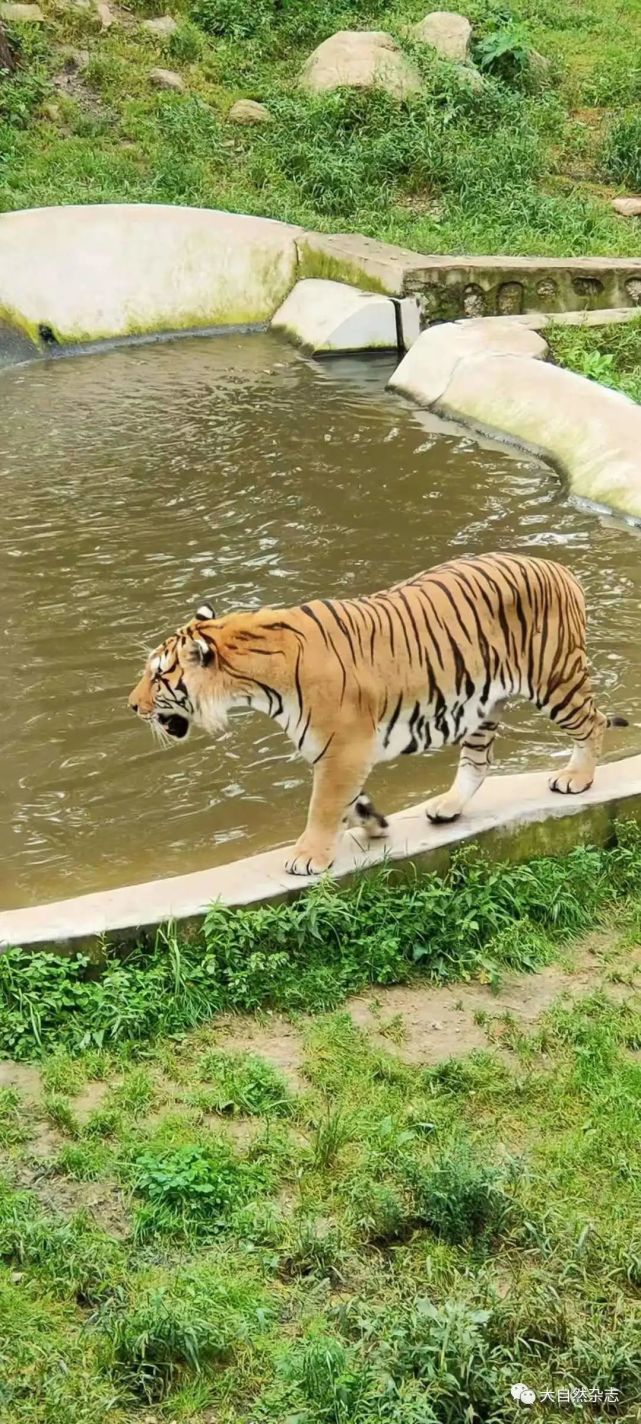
(167, 79)
(162, 27)
(360, 59)
(105, 15)
(446, 32)
(249, 111)
(627, 207)
(22, 14)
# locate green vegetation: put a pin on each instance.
(609, 354)
(525, 165)
(479, 919)
(401, 1248)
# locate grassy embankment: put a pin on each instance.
(323, 1232)
(528, 165)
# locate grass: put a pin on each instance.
(529, 164)
(609, 354)
(479, 919)
(400, 1248)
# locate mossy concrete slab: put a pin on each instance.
(83, 274)
(451, 287)
(324, 316)
(513, 817)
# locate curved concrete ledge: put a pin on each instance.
(325, 317)
(81, 274)
(482, 372)
(517, 817)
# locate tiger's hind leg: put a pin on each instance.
(474, 763)
(586, 725)
(363, 815)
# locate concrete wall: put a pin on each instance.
(82, 274)
(451, 287)
(78, 274)
(514, 816)
(490, 373)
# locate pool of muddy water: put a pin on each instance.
(138, 481)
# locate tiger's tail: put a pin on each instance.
(617, 722)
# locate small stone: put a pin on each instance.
(23, 14)
(163, 27)
(16, 1277)
(627, 207)
(360, 59)
(105, 15)
(249, 111)
(167, 79)
(470, 75)
(446, 32)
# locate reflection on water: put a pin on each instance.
(139, 481)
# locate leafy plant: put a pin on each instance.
(192, 1188)
(505, 53)
(233, 19)
(459, 1198)
(242, 1083)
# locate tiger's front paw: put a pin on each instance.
(308, 859)
(442, 809)
(570, 783)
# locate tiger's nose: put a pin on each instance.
(133, 705)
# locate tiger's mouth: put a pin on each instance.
(174, 724)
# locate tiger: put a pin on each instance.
(357, 681)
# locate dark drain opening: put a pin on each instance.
(47, 336)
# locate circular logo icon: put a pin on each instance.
(523, 1393)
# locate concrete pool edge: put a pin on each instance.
(79, 274)
(514, 817)
(492, 374)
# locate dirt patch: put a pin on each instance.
(103, 1200)
(277, 1041)
(424, 1025)
(89, 1099)
(22, 1076)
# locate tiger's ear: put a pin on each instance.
(200, 651)
(205, 610)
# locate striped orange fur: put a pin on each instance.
(356, 681)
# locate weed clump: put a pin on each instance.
(192, 1190)
(621, 156)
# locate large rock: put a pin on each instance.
(23, 14)
(98, 271)
(163, 26)
(249, 111)
(324, 316)
(446, 32)
(105, 15)
(627, 207)
(166, 79)
(360, 59)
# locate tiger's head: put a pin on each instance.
(178, 686)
